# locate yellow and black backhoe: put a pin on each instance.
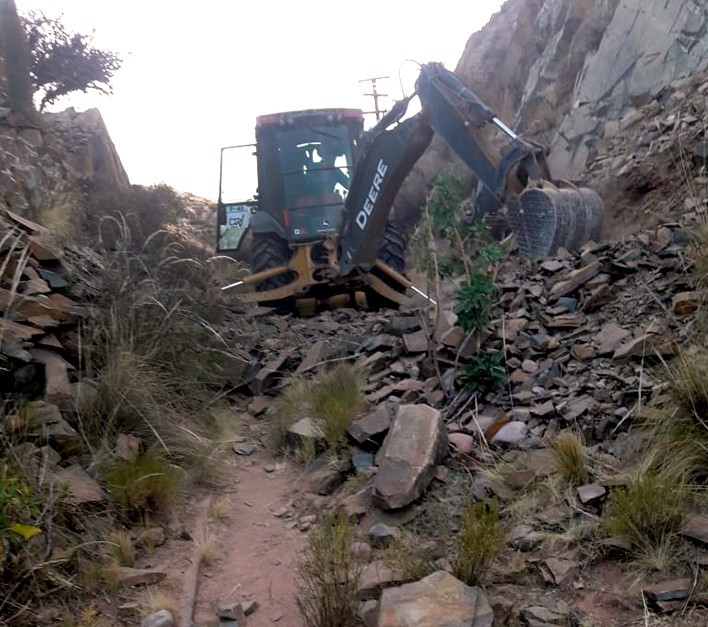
(321, 228)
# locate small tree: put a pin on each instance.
(64, 62)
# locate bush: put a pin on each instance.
(331, 401)
(138, 215)
(479, 542)
(328, 576)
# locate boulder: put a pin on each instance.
(414, 446)
(438, 599)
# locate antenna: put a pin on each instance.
(375, 94)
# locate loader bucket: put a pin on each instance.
(548, 218)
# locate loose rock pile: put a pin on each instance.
(39, 348)
(653, 160)
(579, 334)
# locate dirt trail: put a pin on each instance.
(256, 552)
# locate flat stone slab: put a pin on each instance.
(438, 599)
(415, 445)
(82, 488)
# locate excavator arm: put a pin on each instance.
(543, 215)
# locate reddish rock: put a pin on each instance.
(414, 446)
(572, 281)
(57, 388)
(461, 442)
(438, 599)
(82, 488)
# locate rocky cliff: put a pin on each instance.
(562, 70)
(50, 159)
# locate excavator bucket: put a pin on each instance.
(548, 218)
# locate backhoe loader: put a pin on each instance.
(321, 226)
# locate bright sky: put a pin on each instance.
(196, 74)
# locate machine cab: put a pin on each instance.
(305, 163)
(305, 160)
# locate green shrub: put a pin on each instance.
(474, 301)
(483, 372)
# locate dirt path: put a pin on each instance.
(256, 551)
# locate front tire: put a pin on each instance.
(268, 251)
(393, 254)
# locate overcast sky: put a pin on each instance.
(196, 74)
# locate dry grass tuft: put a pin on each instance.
(336, 401)
(219, 509)
(698, 252)
(569, 457)
(206, 546)
(156, 599)
(332, 401)
(479, 542)
(144, 486)
(679, 437)
(287, 409)
(122, 547)
(328, 577)
(405, 556)
(649, 511)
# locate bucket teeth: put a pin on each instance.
(546, 219)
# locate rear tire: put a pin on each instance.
(268, 251)
(393, 254)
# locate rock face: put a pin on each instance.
(439, 599)
(413, 447)
(564, 72)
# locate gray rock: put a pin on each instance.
(524, 537)
(511, 434)
(415, 445)
(374, 577)
(381, 535)
(362, 461)
(438, 599)
(696, 528)
(591, 492)
(671, 590)
(303, 430)
(461, 442)
(372, 428)
(244, 448)
(162, 618)
(539, 615)
(231, 610)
